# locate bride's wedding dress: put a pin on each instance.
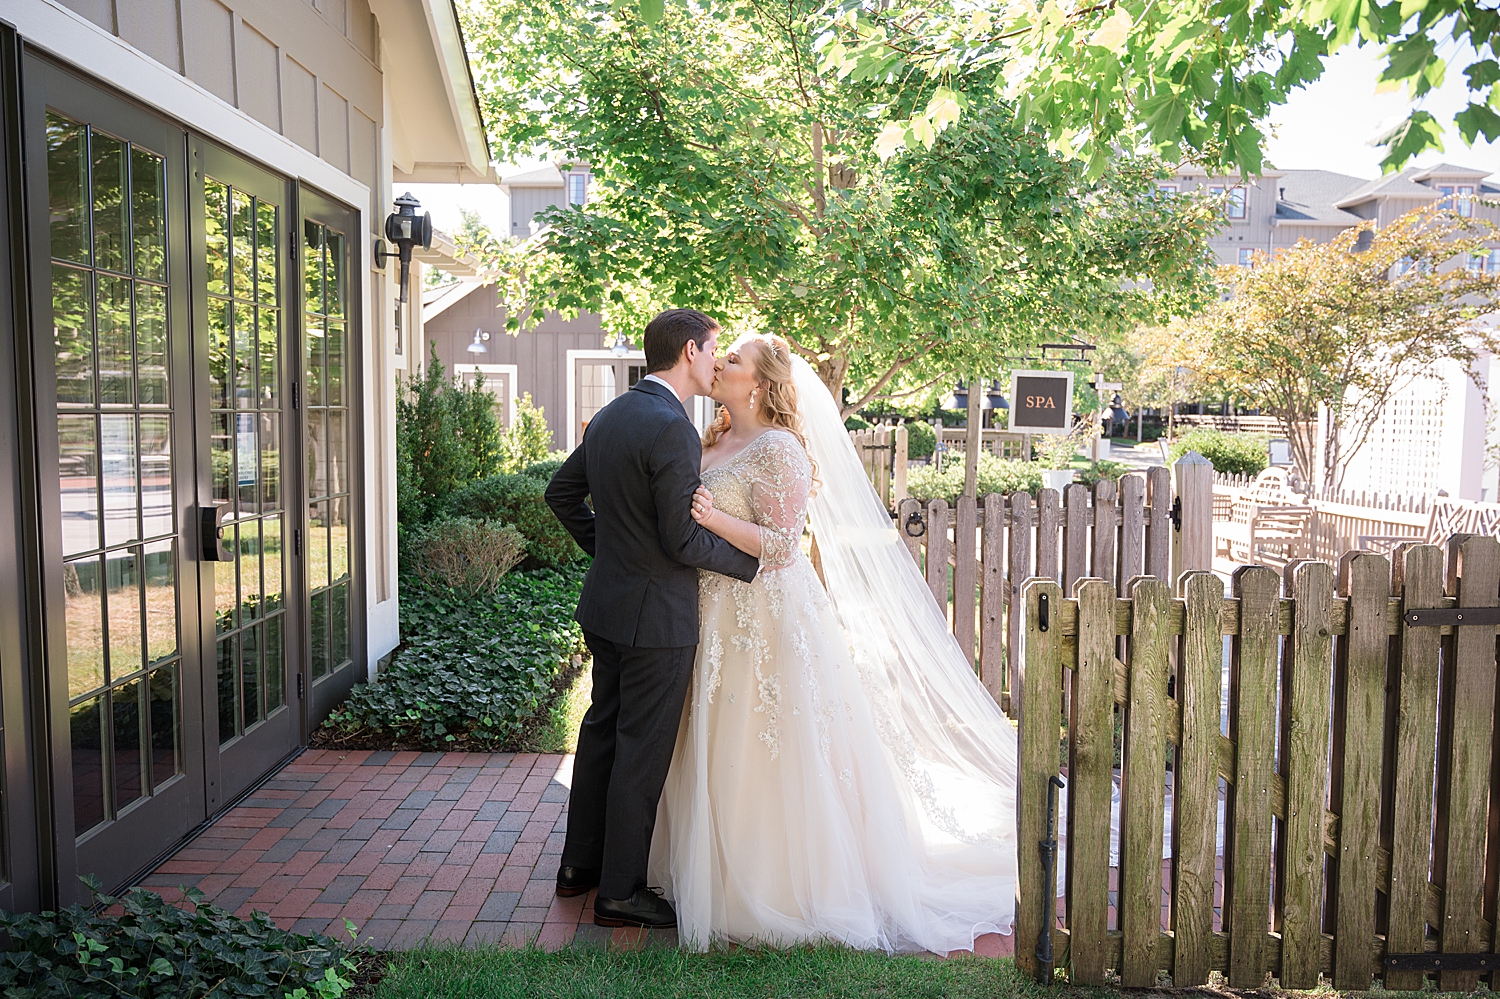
(840, 774)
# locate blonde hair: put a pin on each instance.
(776, 404)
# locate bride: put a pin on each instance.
(840, 774)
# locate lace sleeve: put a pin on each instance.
(778, 492)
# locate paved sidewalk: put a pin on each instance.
(452, 847)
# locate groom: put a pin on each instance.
(639, 462)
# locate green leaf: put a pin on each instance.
(1417, 134)
(1476, 120)
(652, 10)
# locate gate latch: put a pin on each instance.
(213, 546)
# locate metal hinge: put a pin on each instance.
(1176, 513)
(300, 690)
(1442, 962)
(1449, 617)
(296, 396)
(297, 541)
(291, 246)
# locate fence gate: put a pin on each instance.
(1321, 764)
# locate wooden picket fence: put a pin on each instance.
(883, 452)
(977, 554)
(1352, 756)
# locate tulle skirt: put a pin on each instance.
(799, 808)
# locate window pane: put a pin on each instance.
(270, 358)
(151, 343)
(271, 541)
(159, 572)
(216, 215)
(335, 374)
(85, 723)
(117, 448)
(312, 266)
(317, 545)
(244, 357)
(148, 214)
(312, 389)
(242, 255)
(229, 688)
(249, 559)
(83, 612)
(334, 289)
(250, 675)
(338, 624)
(318, 627)
(338, 543)
(78, 470)
(338, 454)
(275, 688)
(122, 573)
(116, 360)
(317, 454)
(267, 260)
(73, 335)
(111, 206)
(219, 323)
(129, 756)
(270, 461)
(156, 476)
(226, 597)
(67, 189)
(166, 727)
(246, 460)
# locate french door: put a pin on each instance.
(193, 403)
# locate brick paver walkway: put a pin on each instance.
(458, 847)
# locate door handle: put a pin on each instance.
(212, 545)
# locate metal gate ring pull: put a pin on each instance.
(914, 519)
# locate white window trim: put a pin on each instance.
(573, 357)
(510, 370)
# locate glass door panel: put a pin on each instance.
(116, 468)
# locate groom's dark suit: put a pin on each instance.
(639, 462)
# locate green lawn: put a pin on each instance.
(664, 973)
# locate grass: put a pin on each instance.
(558, 732)
(667, 973)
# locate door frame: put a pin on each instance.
(327, 692)
(53, 84)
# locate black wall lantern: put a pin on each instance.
(406, 229)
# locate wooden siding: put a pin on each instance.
(306, 68)
(540, 356)
(525, 202)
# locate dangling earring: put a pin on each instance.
(754, 396)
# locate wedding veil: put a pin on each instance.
(951, 742)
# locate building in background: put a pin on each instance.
(1433, 439)
(198, 338)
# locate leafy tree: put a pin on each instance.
(446, 436)
(1348, 323)
(733, 176)
(527, 440)
(1185, 77)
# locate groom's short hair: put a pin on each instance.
(669, 332)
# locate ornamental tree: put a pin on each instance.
(1190, 78)
(732, 175)
(1348, 323)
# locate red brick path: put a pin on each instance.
(459, 847)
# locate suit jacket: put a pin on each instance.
(639, 460)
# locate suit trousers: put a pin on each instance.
(624, 750)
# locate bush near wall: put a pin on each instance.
(1231, 454)
(519, 500)
(996, 475)
(474, 671)
(921, 440)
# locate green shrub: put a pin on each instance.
(996, 475)
(461, 553)
(527, 440)
(921, 440)
(152, 949)
(547, 467)
(1231, 454)
(446, 435)
(853, 422)
(1098, 471)
(473, 671)
(519, 500)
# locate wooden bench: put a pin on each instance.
(1264, 523)
(1446, 519)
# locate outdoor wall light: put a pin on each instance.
(621, 346)
(478, 347)
(406, 229)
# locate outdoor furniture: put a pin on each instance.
(1263, 523)
(1446, 519)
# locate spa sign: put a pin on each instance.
(1041, 402)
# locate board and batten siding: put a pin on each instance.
(308, 70)
(540, 355)
(525, 202)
